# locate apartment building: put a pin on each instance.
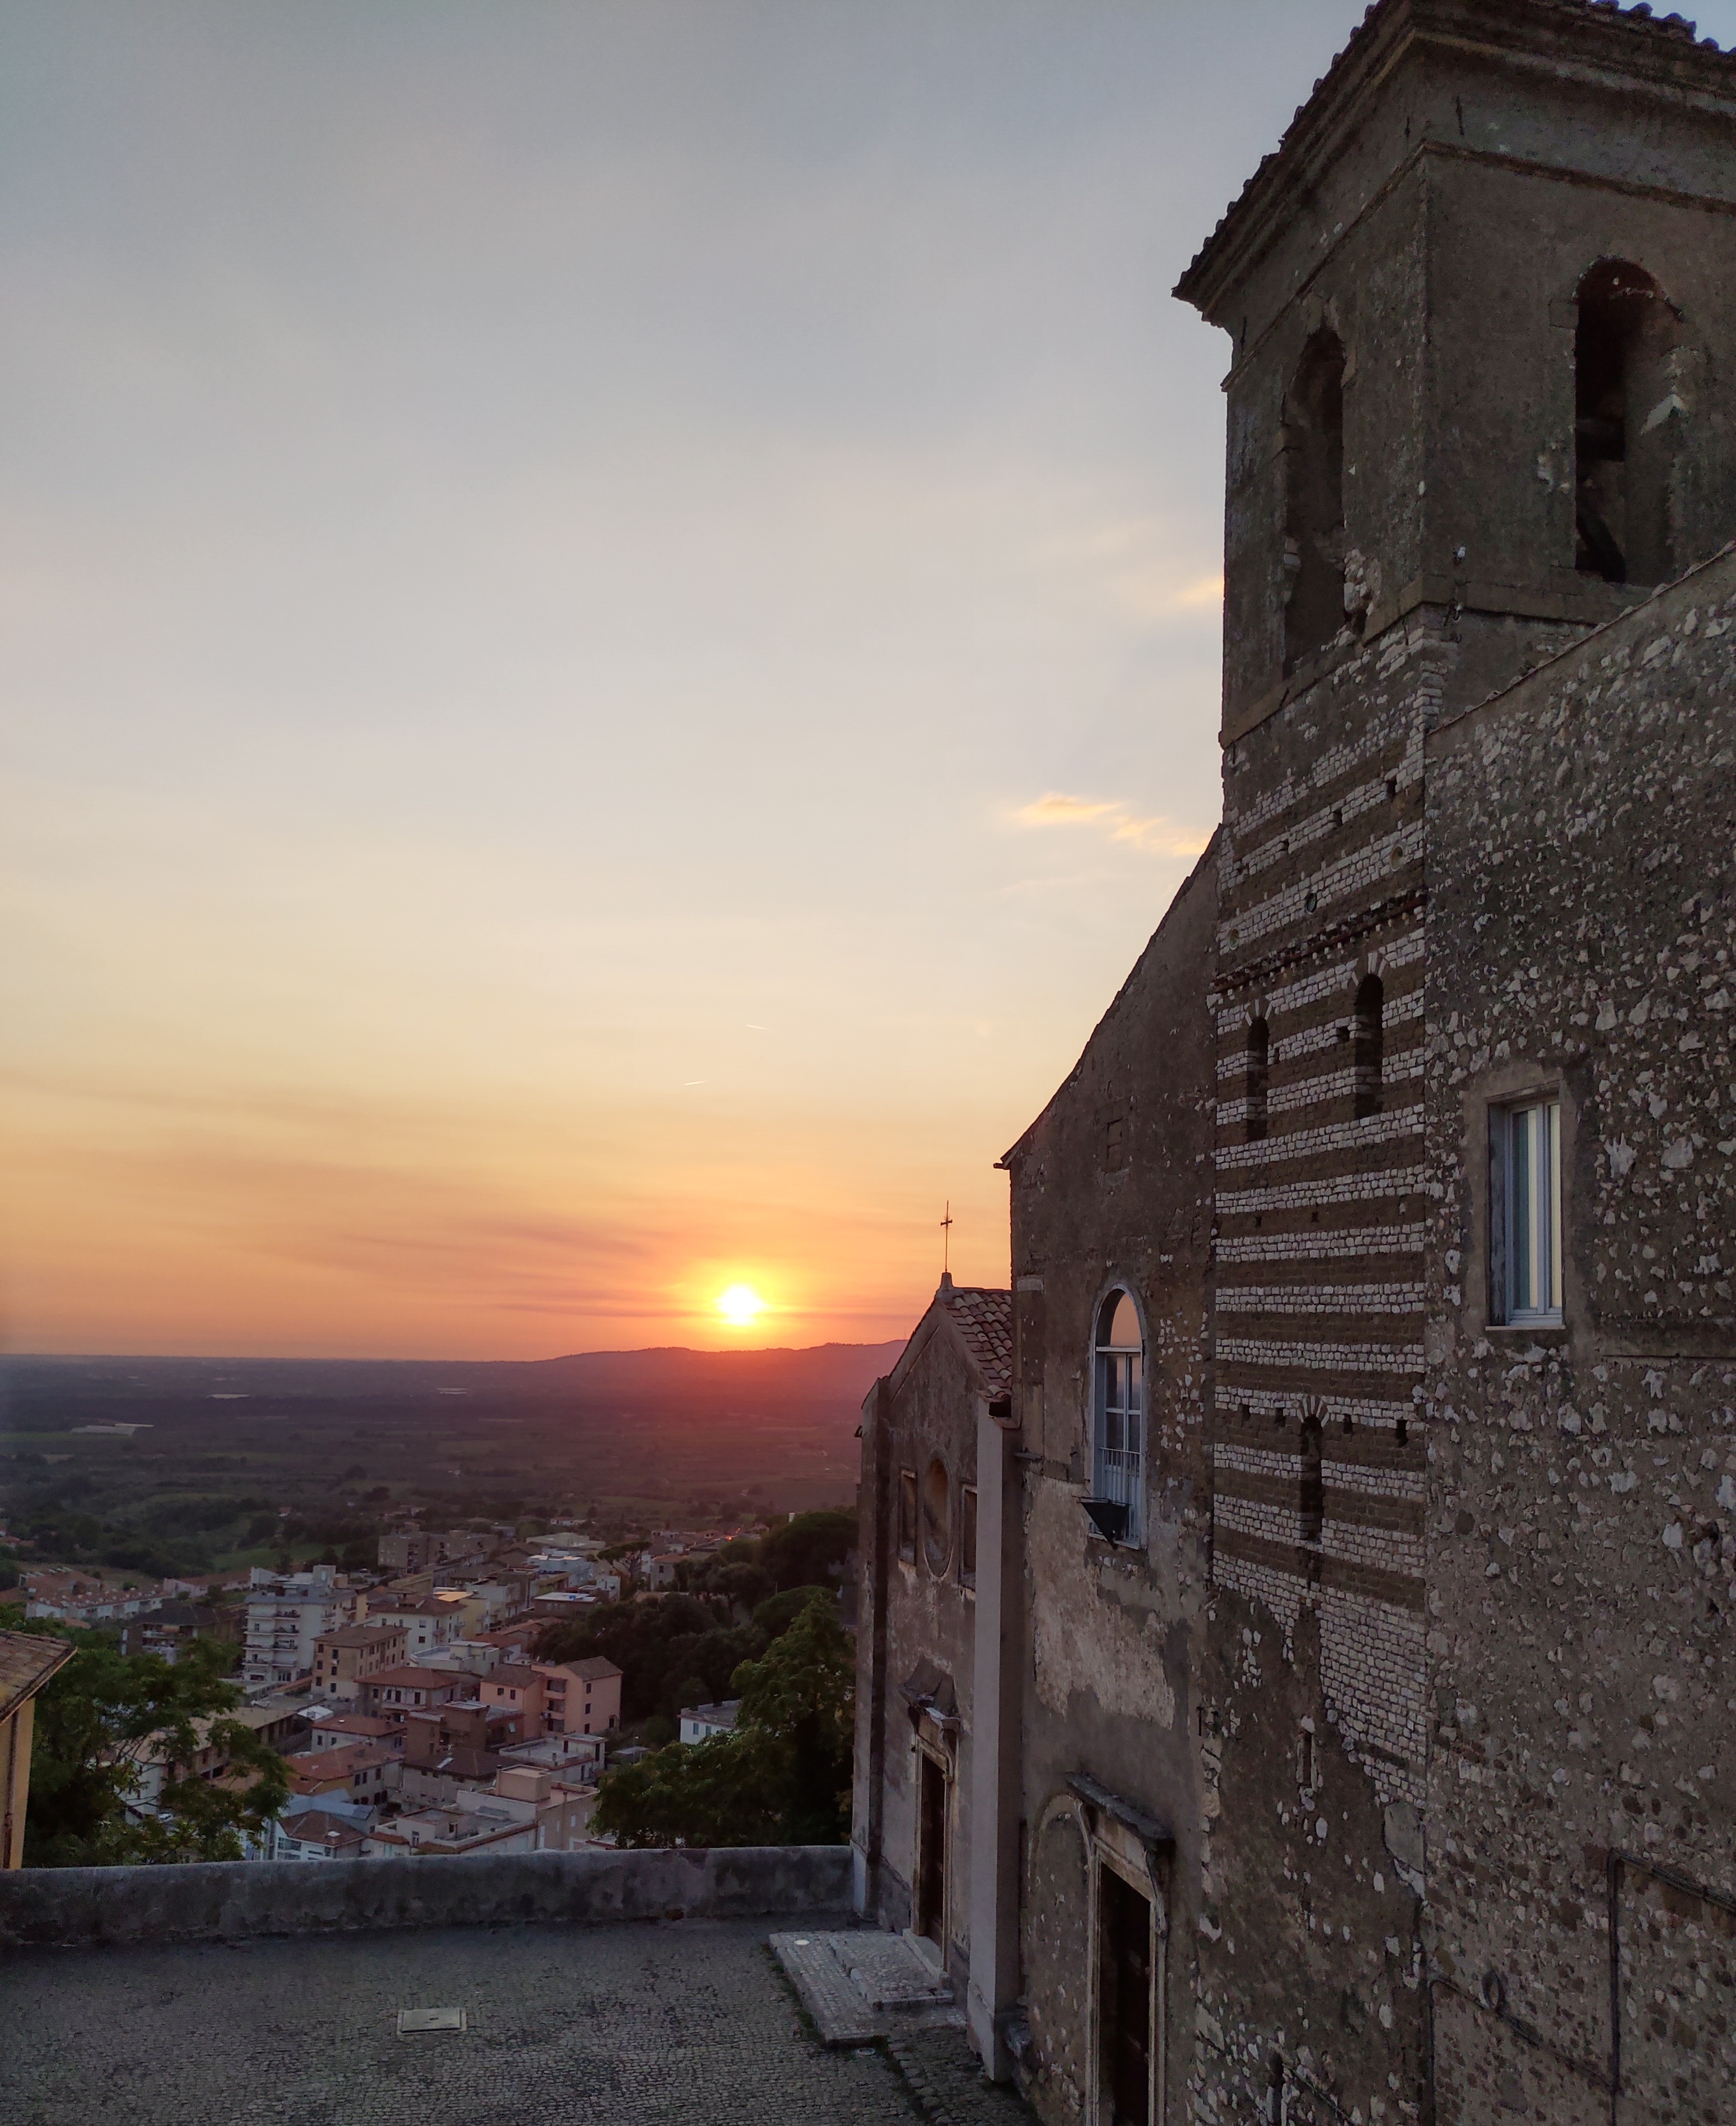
(429, 1622)
(557, 1697)
(342, 1658)
(286, 1615)
(394, 1693)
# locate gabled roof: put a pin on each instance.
(27, 1659)
(983, 1319)
(979, 1317)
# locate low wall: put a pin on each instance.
(83, 1907)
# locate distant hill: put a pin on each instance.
(777, 1428)
(825, 1372)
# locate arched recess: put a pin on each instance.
(1627, 420)
(1314, 538)
(1058, 1951)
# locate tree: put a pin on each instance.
(810, 1550)
(774, 1616)
(102, 1718)
(657, 1646)
(781, 1778)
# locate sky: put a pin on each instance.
(609, 631)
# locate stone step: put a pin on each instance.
(863, 1985)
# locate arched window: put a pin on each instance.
(1367, 1047)
(1118, 1444)
(1625, 426)
(1314, 498)
(1259, 1055)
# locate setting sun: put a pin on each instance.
(740, 1306)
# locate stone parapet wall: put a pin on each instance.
(92, 1907)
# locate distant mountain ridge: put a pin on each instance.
(828, 1372)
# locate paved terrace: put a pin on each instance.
(280, 2002)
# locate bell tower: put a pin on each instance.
(1480, 302)
(1482, 307)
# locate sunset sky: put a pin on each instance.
(610, 641)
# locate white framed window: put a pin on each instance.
(1525, 1212)
(1116, 1506)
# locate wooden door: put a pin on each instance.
(1124, 2001)
(931, 1917)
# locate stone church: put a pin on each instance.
(1295, 1623)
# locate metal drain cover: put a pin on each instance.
(412, 2019)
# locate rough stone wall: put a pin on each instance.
(1582, 1491)
(922, 1619)
(1312, 1679)
(1111, 1186)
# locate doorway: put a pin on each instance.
(931, 1888)
(1124, 2001)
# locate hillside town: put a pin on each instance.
(409, 1705)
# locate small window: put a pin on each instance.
(1367, 1048)
(1259, 1060)
(1118, 1454)
(906, 1513)
(1115, 1145)
(1525, 1204)
(968, 1536)
(1311, 1499)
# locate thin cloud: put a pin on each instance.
(1058, 810)
(1155, 834)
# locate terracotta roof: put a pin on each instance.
(317, 1828)
(983, 1317)
(593, 1668)
(412, 1678)
(27, 1659)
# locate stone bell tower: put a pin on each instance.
(1482, 304)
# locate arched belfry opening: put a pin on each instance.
(1314, 543)
(1626, 417)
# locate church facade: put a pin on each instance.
(1338, 1720)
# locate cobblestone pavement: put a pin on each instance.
(619, 2026)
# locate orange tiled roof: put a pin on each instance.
(983, 1317)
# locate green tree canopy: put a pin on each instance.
(659, 1645)
(776, 1615)
(781, 1778)
(101, 1719)
(809, 1551)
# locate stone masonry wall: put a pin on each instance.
(1582, 1482)
(924, 1617)
(1111, 1186)
(86, 1907)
